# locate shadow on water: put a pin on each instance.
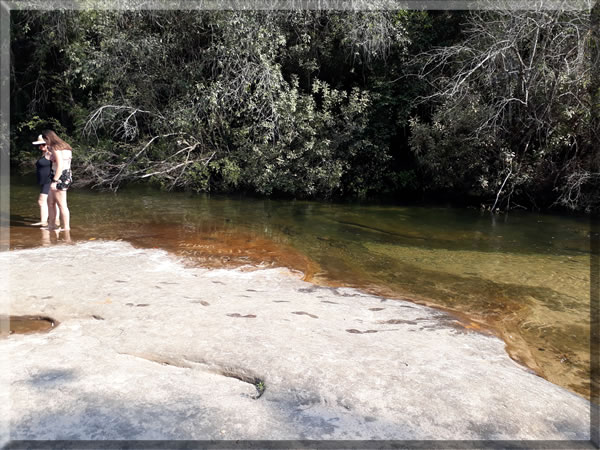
(525, 276)
(20, 221)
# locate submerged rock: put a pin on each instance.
(150, 349)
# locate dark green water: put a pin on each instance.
(523, 275)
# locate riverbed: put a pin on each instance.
(522, 276)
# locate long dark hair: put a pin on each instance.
(53, 141)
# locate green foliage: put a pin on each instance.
(311, 104)
(450, 156)
(215, 101)
(197, 178)
(511, 109)
(228, 172)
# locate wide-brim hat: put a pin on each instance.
(40, 140)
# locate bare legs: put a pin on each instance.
(52, 207)
(58, 198)
(43, 202)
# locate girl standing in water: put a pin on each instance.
(43, 168)
(61, 155)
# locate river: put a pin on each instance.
(523, 276)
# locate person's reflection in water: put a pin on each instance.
(55, 236)
(45, 237)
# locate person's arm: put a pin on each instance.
(59, 168)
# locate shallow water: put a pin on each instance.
(26, 325)
(523, 275)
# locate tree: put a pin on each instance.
(210, 100)
(520, 78)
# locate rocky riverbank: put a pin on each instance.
(147, 348)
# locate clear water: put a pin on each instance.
(523, 276)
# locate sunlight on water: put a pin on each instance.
(525, 276)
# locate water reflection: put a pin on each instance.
(54, 236)
(524, 275)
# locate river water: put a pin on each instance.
(522, 276)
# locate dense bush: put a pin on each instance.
(313, 104)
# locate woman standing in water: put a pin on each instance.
(43, 168)
(61, 155)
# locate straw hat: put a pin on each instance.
(40, 140)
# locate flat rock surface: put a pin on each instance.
(147, 348)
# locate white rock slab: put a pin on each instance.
(147, 348)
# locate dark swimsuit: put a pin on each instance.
(43, 168)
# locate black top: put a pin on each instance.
(43, 168)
